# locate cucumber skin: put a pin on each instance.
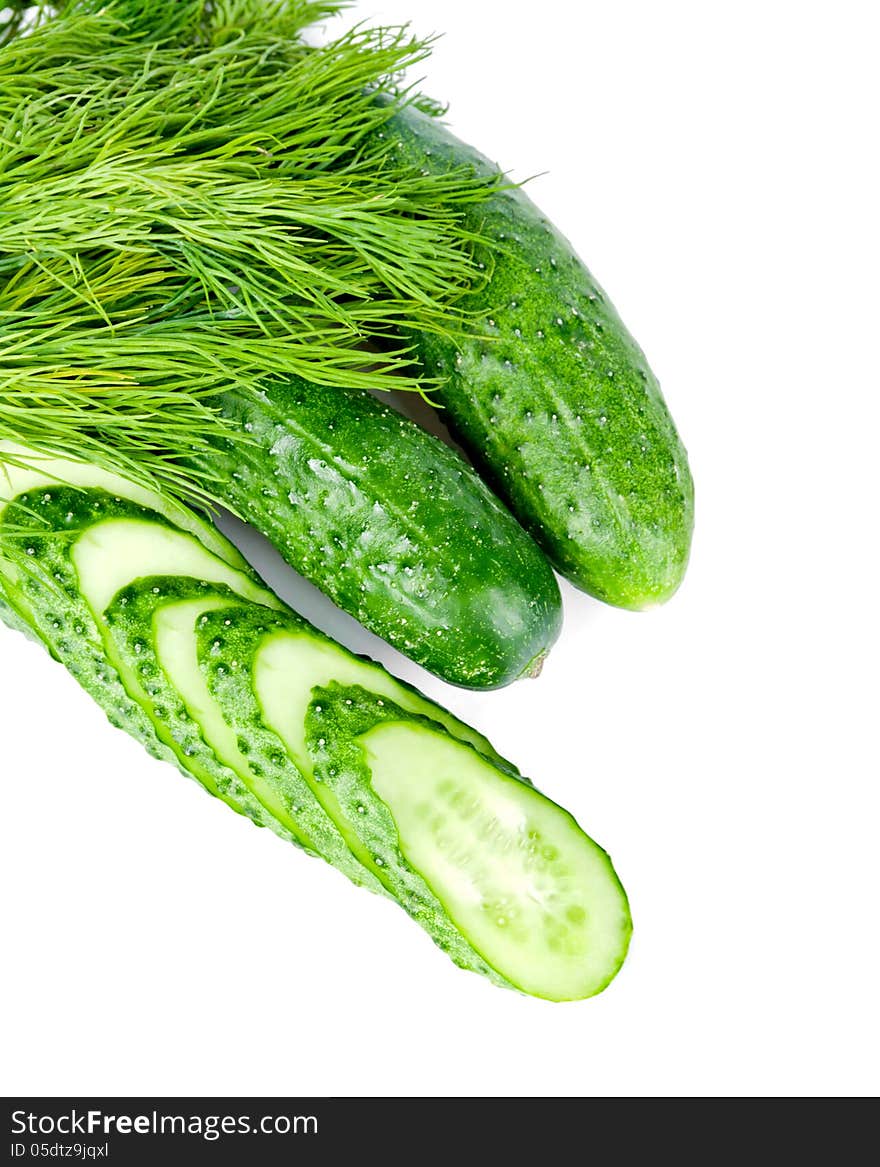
(52, 611)
(11, 609)
(232, 685)
(128, 617)
(47, 599)
(555, 399)
(394, 527)
(337, 716)
(228, 640)
(44, 595)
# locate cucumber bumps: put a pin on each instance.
(161, 621)
(394, 527)
(554, 399)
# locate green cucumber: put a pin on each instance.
(394, 527)
(555, 400)
(183, 647)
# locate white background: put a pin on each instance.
(715, 165)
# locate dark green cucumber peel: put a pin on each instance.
(95, 650)
(209, 670)
(103, 649)
(555, 400)
(161, 722)
(228, 645)
(394, 527)
(58, 616)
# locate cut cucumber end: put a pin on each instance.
(534, 895)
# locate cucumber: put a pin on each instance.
(487, 864)
(554, 399)
(179, 641)
(394, 527)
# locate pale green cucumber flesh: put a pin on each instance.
(129, 621)
(113, 553)
(86, 545)
(261, 669)
(289, 666)
(47, 596)
(287, 669)
(174, 635)
(116, 552)
(501, 878)
(40, 472)
(227, 642)
(534, 895)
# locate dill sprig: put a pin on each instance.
(192, 198)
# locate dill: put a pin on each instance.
(192, 198)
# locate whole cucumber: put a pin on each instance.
(555, 400)
(394, 527)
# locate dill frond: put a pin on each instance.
(194, 199)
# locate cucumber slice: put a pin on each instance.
(39, 473)
(174, 640)
(94, 544)
(111, 554)
(129, 623)
(260, 669)
(45, 590)
(268, 773)
(533, 894)
(289, 665)
(503, 879)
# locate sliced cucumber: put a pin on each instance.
(42, 580)
(209, 670)
(271, 776)
(94, 544)
(111, 554)
(129, 621)
(535, 896)
(290, 665)
(39, 473)
(501, 877)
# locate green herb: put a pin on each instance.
(191, 198)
